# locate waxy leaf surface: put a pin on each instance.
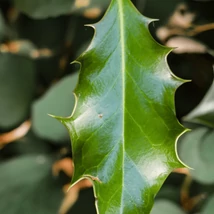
(123, 128)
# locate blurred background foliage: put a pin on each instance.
(38, 40)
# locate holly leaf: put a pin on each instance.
(123, 128)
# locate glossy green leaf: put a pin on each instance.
(41, 9)
(123, 127)
(196, 149)
(166, 207)
(57, 100)
(204, 112)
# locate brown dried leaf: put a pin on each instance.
(92, 13)
(15, 134)
(81, 3)
(65, 165)
(186, 45)
(188, 203)
(182, 17)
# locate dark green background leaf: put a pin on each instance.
(196, 150)
(17, 85)
(209, 206)
(166, 207)
(41, 9)
(28, 187)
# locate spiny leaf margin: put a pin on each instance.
(160, 158)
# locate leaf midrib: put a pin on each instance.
(123, 65)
